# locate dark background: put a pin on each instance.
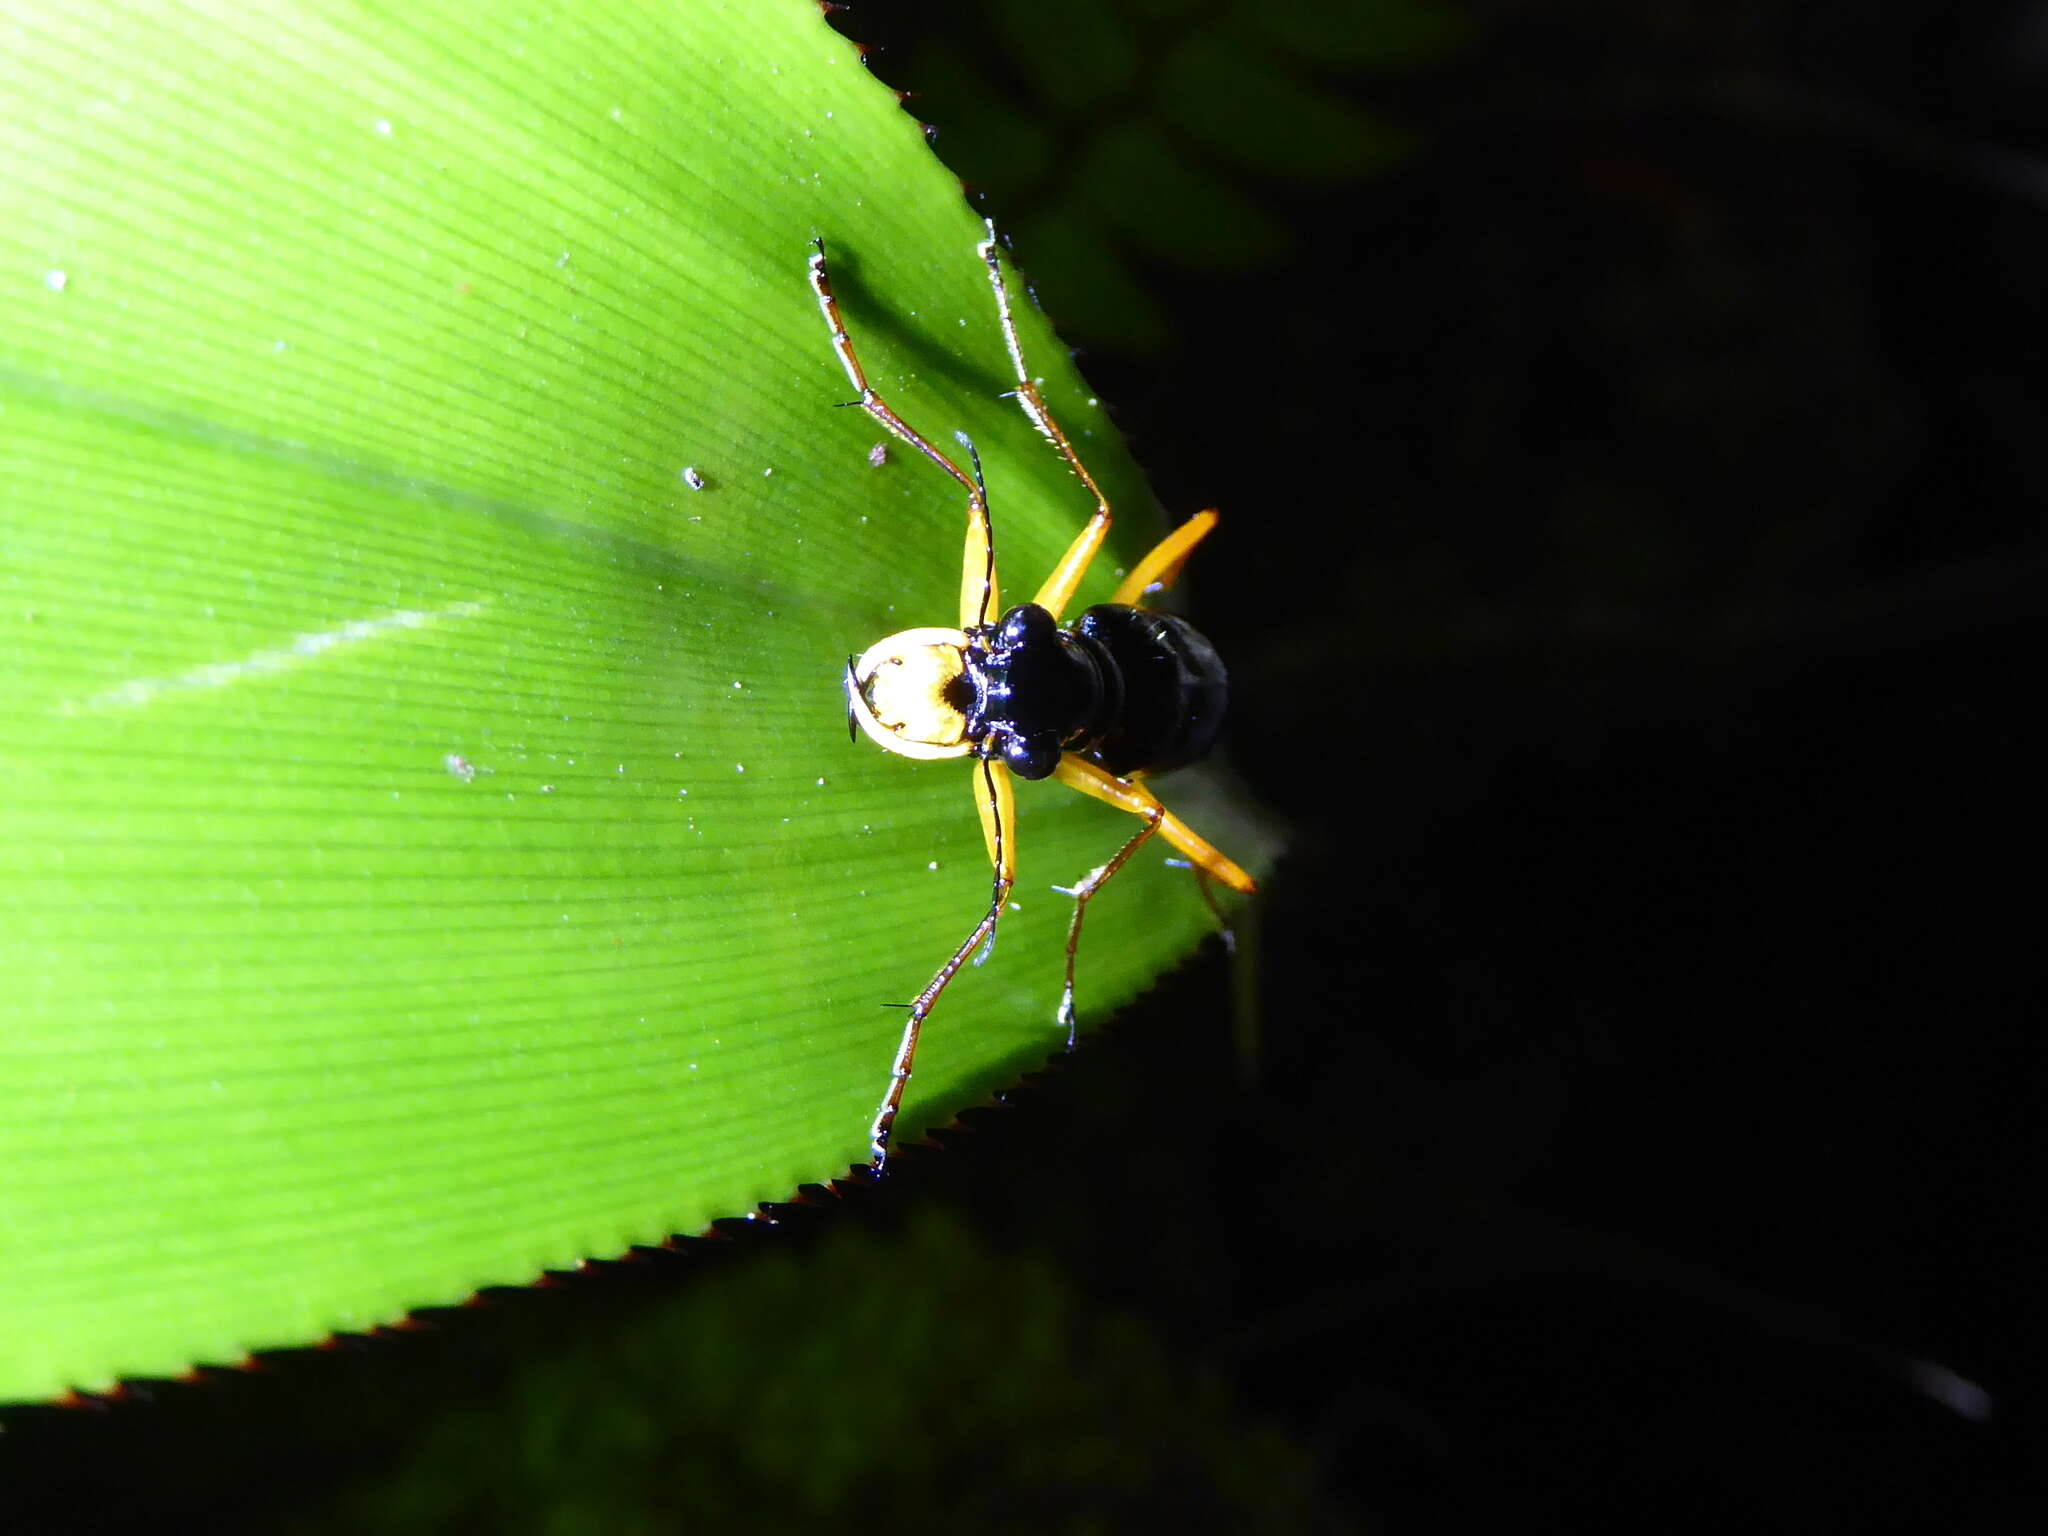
(1628, 419)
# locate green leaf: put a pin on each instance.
(432, 851)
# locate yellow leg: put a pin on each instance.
(979, 602)
(1078, 773)
(998, 807)
(1163, 564)
(998, 823)
(1060, 586)
(1125, 795)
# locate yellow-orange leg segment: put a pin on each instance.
(1060, 586)
(979, 602)
(998, 819)
(1098, 783)
(1162, 565)
(1127, 795)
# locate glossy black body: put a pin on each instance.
(1127, 689)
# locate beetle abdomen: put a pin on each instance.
(1174, 689)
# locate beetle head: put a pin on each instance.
(910, 693)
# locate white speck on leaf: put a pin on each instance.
(303, 648)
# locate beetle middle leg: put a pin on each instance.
(1082, 890)
(1060, 586)
(1099, 783)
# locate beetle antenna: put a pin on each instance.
(973, 458)
(988, 575)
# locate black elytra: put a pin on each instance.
(1131, 690)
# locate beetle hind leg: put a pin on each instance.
(1160, 567)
